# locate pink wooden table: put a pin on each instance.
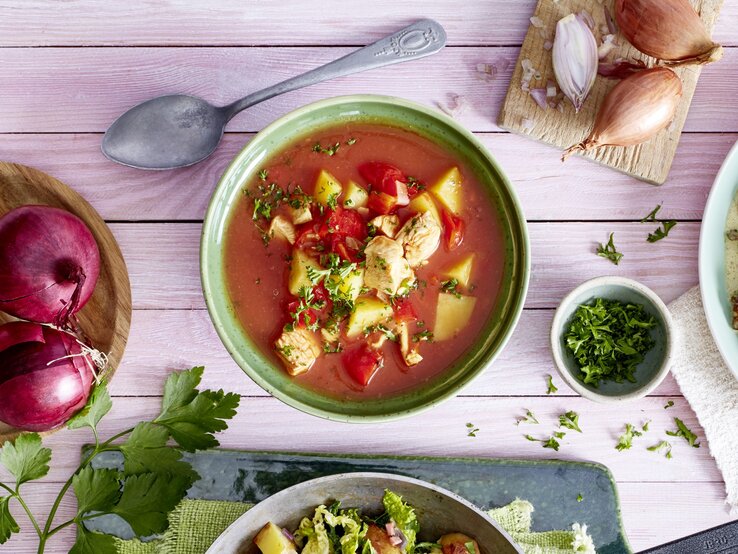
(67, 69)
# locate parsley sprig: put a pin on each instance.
(625, 442)
(683, 431)
(662, 231)
(609, 251)
(153, 478)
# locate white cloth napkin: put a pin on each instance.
(709, 387)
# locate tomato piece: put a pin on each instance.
(382, 176)
(382, 203)
(362, 363)
(404, 311)
(414, 187)
(453, 230)
(348, 223)
(307, 318)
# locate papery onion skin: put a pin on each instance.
(49, 264)
(669, 30)
(35, 396)
(635, 110)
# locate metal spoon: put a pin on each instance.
(180, 130)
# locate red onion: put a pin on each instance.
(45, 376)
(49, 264)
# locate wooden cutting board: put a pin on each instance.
(106, 318)
(649, 161)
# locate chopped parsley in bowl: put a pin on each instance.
(611, 339)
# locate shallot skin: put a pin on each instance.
(668, 30)
(36, 395)
(635, 110)
(49, 264)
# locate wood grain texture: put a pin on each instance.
(268, 22)
(651, 160)
(164, 272)
(106, 318)
(692, 508)
(520, 370)
(85, 89)
(548, 190)
(267, 424)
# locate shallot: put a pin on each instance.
(45, 375)
(635, 110)
(667, 30)
(49, 264)
(575, 58)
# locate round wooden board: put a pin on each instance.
(106, 318)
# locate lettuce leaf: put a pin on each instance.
(404, 517)
(322, 536)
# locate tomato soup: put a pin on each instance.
(364, 260)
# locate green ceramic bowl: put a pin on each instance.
(399, 113)
(655, 365)
(715, 294)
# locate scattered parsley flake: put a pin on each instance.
(663, 445)
(529, 418)
(669, 404)
(421, 336)
(609, 251)
(580, 498)
(684, 432)
(263, 174)
(330, 150)
(662, 232)
(644, 427)
(570, 420)
(351, 141)
(625, 442)
(550, 384)
(450, 287)
(471, 430)
(651, 217)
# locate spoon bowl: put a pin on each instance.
(169, 131)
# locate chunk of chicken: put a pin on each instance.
(419, 237)
(386, 224)
(386, 268)
(281, 227)
(410, 355)
(298, 349)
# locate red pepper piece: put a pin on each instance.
(382, 203)
(362, 363)
(453, 230)
(404, 311)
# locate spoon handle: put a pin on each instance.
(422, 38)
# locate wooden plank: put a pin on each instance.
(650, 161)
(691, 508)
(579, 190)
(285, 428)
(163, 260)
(269, 22)
(520, 370)
(85, 89)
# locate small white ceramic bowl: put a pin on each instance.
(654, 367)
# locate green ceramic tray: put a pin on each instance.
(551, 486)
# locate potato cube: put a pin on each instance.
(327, 188)
(448, 190)
(461, 270)
(271, 540)
(299, 271)
(368, 311)
(424, 203)
(351, 284)
(356, 197)
(452, 315)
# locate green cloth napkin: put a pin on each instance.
(195, 524)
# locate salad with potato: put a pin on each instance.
(334, 530)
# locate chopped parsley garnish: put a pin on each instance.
(684, 432)
(551, 442)
(386, 331)
(269, 199)
(422, 336)
(330, 150)
(263, 174)
(529, 418)
(351, 141)
(471, 430)
(381, 263)
(645, 426)
(609, 251)
(332, 201)
(625, 442)
(329, 348)
(286, 350)
(660, 232)
(669, 404)
(580, 497)
(570, 420)
(609, 339)
(550, 387)
(663, 445)
(450, 287)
